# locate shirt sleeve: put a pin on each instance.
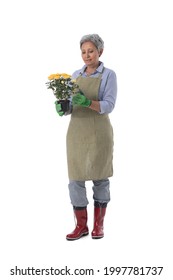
(107, 103)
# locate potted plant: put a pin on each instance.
(63, 87)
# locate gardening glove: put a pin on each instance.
(59, 109)
(82, 100)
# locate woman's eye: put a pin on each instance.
(87, 52)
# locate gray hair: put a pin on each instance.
(95, 39)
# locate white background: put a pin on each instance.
(42, 37)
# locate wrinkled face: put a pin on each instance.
(90, 54)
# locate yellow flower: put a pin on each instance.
(57, 76)
(51, 77)
(65, 76)
(62, 85)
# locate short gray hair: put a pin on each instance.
(95, 39)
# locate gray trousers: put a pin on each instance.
(78, 195)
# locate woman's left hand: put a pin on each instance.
(80, 99)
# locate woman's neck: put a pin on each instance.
(90, 70)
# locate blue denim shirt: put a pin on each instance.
(108, 87)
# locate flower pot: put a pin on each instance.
(64, 104)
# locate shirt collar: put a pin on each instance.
(99, 68)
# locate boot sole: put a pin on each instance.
(97, 237)
(82, 235)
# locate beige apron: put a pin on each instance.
(89, 138)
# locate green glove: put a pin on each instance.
(79, 99)
(59, 109)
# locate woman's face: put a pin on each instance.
(90, 54)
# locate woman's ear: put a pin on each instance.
(100, 52)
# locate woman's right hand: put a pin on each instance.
(59, 109)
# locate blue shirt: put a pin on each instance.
(108, 87)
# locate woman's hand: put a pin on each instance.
(59, 109)
(80, 99)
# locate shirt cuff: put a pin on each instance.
(106, 107)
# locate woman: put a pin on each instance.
(90, 137)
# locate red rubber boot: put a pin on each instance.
(99, 214)
(81, 225)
